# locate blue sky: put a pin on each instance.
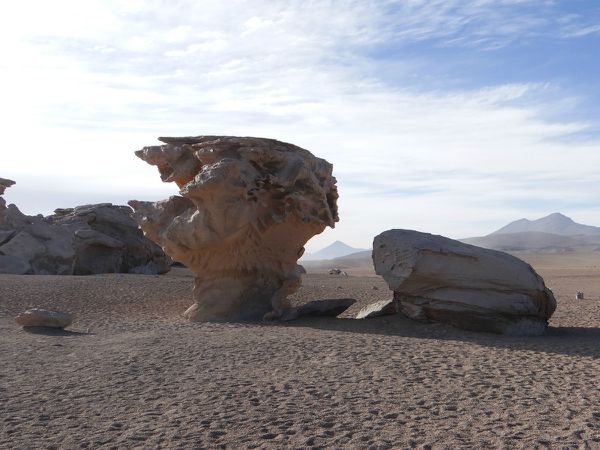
(453, 117)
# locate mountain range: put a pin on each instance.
(556, 233)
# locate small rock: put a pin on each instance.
(37, 317)
(322, 308)
(380, 308)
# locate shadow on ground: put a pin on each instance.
(49, 331)
(574, 341)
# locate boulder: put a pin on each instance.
(13, 265)
(37, 317)
(318, 308)
(88, 239)
(442, 280)
(24, 246)
(246, 208)
(380, 308)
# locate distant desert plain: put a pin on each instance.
(132, 373)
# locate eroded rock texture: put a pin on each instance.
(88, 239)
(442, 280)
(247, 207)
(4, 183)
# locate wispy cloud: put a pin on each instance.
(85, 83)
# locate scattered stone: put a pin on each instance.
(380, 308)
(579, 295)
(246, 209)
(37, 317)
(442, 280)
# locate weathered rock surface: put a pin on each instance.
(4, 183)
(88, 239)
(37, 317)
(442, 280)
(380, 308)
(247, 207)
(319, 308)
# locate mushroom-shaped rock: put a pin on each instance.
(247, 207)
(37, 317)
(442, 280)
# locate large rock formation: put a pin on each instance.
(247, 207)
(77, 241)
(442, 280)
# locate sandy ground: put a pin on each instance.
(132, 373)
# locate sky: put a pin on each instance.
(453, 117)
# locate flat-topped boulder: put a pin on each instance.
(443, 280)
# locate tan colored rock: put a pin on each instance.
(37, 317)
(247, 207)
(442, 280)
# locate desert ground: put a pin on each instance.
(131, 373)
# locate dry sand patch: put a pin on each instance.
(132, 373)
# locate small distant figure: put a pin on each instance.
(579, 295)
(335, 272)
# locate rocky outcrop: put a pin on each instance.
(246, 209)
(85, 240)
(442, 280)
(4, 183)
(37, 317)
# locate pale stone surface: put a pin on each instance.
(247, 207)
(37, 317)
(442, 280)
(88, 239)
(380, 308)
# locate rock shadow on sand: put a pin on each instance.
(572, 341)
(49, 331)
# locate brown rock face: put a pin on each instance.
(247, 207)
(442, 280)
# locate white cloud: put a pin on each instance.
(82, 90)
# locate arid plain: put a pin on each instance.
(131, 372)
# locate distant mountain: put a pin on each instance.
(359, 262)
(553, 233)
(556, 223)
(532, 240)
(335, 250)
